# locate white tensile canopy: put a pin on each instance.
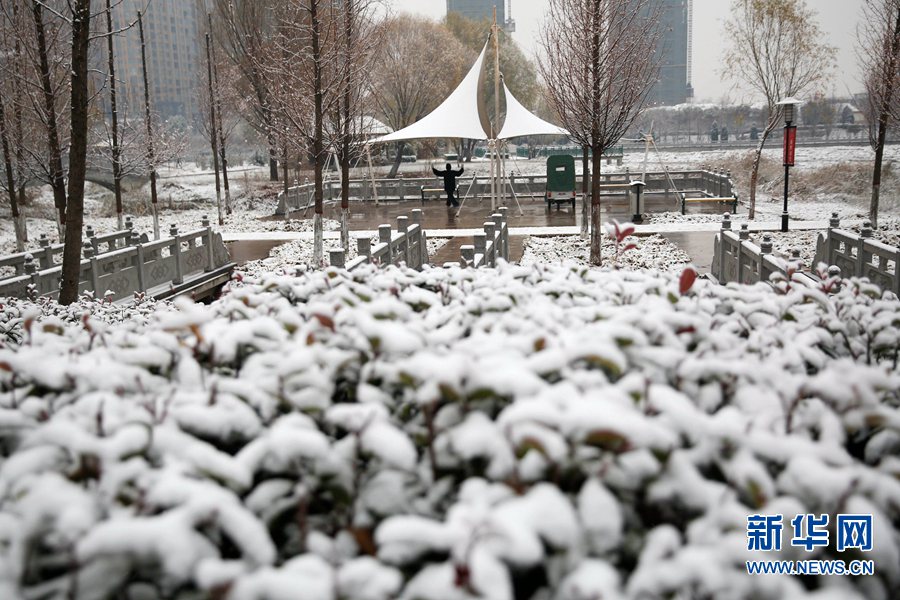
(459, 116)
(520, 122)
(463, 115)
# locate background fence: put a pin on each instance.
(674, 186)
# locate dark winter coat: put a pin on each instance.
(449, 176)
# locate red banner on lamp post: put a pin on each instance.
(790, 144)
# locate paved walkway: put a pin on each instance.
(662, 228)
(534, 219)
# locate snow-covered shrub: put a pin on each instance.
(519, 432)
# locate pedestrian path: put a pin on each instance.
(650, 229)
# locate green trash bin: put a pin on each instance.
(560, 180)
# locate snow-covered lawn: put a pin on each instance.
(530, 431)
(652, 252)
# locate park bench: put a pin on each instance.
(730, 200)
(436, 190)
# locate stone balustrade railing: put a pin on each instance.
(846, 254)
(407, 245)
(49, 255)
(737, 259)
(489, 246)
(857, 255)
(138, 266)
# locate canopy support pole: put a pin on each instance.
(666, 171)
(515, 197)
(502, 173)
(468, 191)
(371, 173)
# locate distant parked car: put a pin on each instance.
(408, 158)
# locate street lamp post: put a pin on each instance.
(790, 143)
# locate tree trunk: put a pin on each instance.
(596, 234)
(887, 99)
(71, 266)
(397, 160)
(346, 116)
(876, 171)
(285, 169)
(113, 104)
(18, 103)
(754, 171)
(10, 178)
(212, 130)
(273, 163)
(585, 188)
(220, 127)
(227, 189)
(596, 146)
(57, 174)
(318, 136)
(151, 157)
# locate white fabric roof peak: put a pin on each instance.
(463, 115)
(457, 117)
(520, 122)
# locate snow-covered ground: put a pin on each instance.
(288, 257)
(543, 432)
(651, 252)
(825, 180)
(807, 158)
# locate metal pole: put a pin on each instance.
(787, 174)
(497, 169)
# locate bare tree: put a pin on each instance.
(52, 81)
(213, 126)
(220, 127)
(244, 29)
(10, 180)
(148, 122)
(879, 59)
(358, 41)
(599, 63)
(309, 82)
(12, 163)
(418, 66)
(228, 103)
(778, 51)
(71, 263)
(13, 96)
(115, 139)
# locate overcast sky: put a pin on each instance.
(837, 18)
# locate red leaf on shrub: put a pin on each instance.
(325, 321)
(625, 232)
(688, 277)
(629, 247)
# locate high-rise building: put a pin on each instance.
(674, 83)
(172, 34)
(478, 10)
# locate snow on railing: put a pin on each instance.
(856, 255)
(490, 245)
(737, 259)
(46, 256)
(408, 245)
(845, 253)
(137, 265)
